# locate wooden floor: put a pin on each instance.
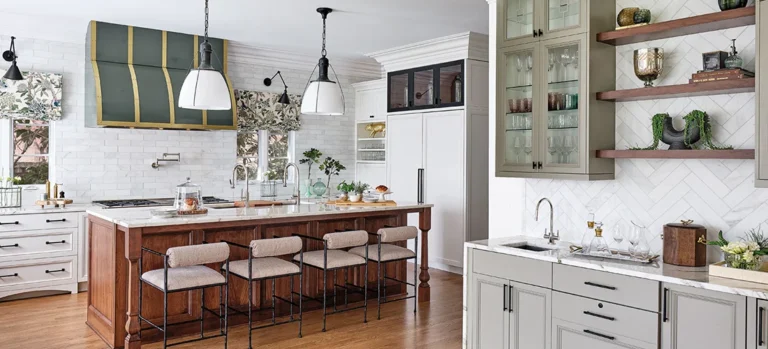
(59, 322)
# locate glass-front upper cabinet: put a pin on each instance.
(564, 102)
(434, 86)
(523, 21)
(518, 127)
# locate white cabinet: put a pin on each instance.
(488, 312)
(696, 318)
(406, 152)
(371, 100)
(530, 317)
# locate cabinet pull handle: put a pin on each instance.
(371, 116)
(541, 33)
(510, 298)
(14, 245)
(760, 315)
(4, 223)
(600, 335)
(55, 271)
(589, 283)
(534, 33)
(664, 306)
(539, 164)
(9, 275)
(55, 220)
(55, 242)
(534, 165)
(599, 316)
(504, 300)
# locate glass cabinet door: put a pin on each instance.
(423, 92)
(563, 98)
(517, 126)
(519, 19)
(398, 95)
(451, 79)
(563, 17)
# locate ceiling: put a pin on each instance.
(356, 27)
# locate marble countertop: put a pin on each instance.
(142, 217)
(49, 209)
(697, 277)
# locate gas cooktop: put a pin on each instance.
(151, 202)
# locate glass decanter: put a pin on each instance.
(598, 246)
(189, 197)
(588, 233)
(319, 188)
(733, 61)
(638, 245)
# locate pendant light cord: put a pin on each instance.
(323, 51)
(206, 21)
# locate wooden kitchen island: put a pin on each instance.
(117, 235)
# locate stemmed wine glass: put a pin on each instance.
(568, 148)
(639, 247)
(566, 61)
(517, 147)
(528, 147)
(551, 66)
(618, 233)
(575, 62)
(519, 65)
(552, 147)
(529, 65)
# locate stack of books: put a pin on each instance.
(721, 74)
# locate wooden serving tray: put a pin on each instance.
(759, 276)
(53, 202)
(363, 204)
(190, 213)
(257, 203)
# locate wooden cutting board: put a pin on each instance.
(363, 204)
(257, 203)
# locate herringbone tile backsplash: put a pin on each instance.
(718, 194)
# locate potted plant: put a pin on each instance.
(358, 189)
(311, 157)
(745, 254)
(345, 188)
(331, 167)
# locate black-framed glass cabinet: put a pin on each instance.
(434, 86)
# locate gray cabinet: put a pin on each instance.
(569, 335)
(757, 323)
(696, 318)
(761, 94)
(488, 313)
(530, 321)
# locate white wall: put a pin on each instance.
(108, 163)
(718, 194)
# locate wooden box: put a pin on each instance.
(759, 276)
(681, 246)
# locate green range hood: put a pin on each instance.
(133, 77)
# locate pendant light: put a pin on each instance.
(205, 87)
(323, 96)
(13, 72)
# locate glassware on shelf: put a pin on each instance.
(638, 244)
(565, 59)
(319, 188)
(575, 63)
(617, 233)
(734, 61)
(598, 246)
(550, 71)
(517, 148)
(528, 148)
(529, 65)
(519, 65)
(552, 146)
(588, 233)
(569, 145)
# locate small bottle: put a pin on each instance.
(598, 246)
(588, 233)
(734, 61)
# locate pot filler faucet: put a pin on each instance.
(296, 178)
(244, 167)
(551, 235)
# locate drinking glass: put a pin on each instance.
(529, 122)
(519, 65)
(552, 147)
(513, 106)
(618, 233)
(528, 148)
(551, 66)
(551, 101)
(638, 245)
(517, 147)
(568, 146)
(565, 59)
(575, 62)
(529, 65)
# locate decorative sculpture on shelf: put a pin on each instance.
(376, 128)
(697, 128)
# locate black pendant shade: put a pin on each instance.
(284, 99)
(13, 72)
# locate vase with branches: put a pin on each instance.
(331, 167)
(311, 157)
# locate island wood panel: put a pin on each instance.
(117, 250)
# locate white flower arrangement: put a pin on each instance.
(743, 254)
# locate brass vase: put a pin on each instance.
(648, 64)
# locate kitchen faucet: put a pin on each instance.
(296, 178)
(551, 235)
(244, 167)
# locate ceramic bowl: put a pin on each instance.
(370, 199)
(355, 197)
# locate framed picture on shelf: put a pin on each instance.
(712, 61)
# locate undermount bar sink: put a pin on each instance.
(526, 246)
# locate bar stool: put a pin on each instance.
(384, 252)
(262, 264)
(184, 270)
(331, 258)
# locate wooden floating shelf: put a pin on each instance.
(680, 27)
(677, 154)
(686, 90)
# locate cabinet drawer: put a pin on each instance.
(570, 335)
(525, 270)
(608, 317)
(38, 221)
(43, 243)
(615, 288)
(38, 271)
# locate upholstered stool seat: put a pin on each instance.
(184, 277)
(388, 252)
(336, 259)
(263, 268)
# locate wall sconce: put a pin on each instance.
(13, 72)
(284, 98)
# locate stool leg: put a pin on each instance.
(325, 287)
(346, 281)
(291, 297)
(365, 288)
(202, 312)
(226, 310)
(165, 316)
(250, 319)
(378, 282)
(415, 272)
(221, 303)
(334, 289)
(140, 297)
(273, 301)
(301, 297)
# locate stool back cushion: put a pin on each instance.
(276, 247)
(398, 234)
(185, 256)
(346, 239)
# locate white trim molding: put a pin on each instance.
(468, 45)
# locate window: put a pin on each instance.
(266, 147)
(30, 150)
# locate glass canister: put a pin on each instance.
(189, 197)
(589, 233)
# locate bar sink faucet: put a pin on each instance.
(244, 167)
(551, 234)
(296, 178)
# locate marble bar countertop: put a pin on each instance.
(48, 209)
(142, 217)
(697, 277)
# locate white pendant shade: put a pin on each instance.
(322, 98)
(206, 90)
